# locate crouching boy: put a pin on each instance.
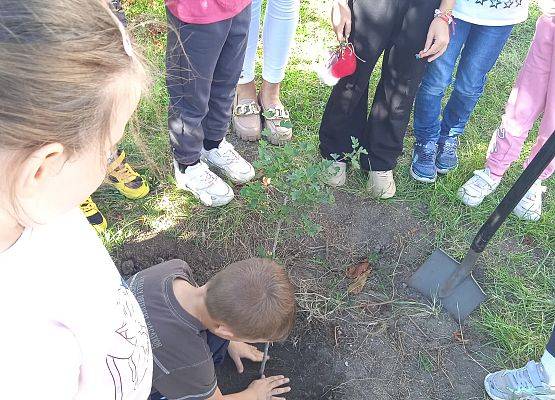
(192, 328)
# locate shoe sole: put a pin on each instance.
(486, 386)
(445, 171)
(528, 216)
(245, 137)
(136, 194)
(213, 204)
(420, 178)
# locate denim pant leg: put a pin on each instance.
(481, 51)
(427, 107)
(218, 347)
(551, 344)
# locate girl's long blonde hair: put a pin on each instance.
(57, 61)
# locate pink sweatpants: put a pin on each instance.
(533, 94)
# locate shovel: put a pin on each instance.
(443, 278)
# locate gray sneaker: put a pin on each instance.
(527, 383)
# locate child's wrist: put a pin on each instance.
(444, 15)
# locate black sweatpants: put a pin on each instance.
(397, 28)
(203, 65)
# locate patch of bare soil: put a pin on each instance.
(385, 342)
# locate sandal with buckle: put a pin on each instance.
(278, 124)
(246, 119)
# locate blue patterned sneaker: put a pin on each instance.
(527, 383)
(447, 159)
(423, 167)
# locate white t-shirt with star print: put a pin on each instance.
(492, 12)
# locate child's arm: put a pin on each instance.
(438, 34)
(261, 389)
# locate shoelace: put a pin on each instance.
(524, 383)
(426, 154)
(227, 152)
(450, 148)
(123, 173)
(205, 176)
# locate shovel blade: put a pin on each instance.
(434, 273)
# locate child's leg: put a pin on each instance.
(247, 74)
(280, 24)
(548, 120)
(526, 103)
(225, 77)
(191, 57)
(346, 112)
(427, 106)
(401, 76)
(481, 51)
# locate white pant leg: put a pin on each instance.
(280, 24)
(247, 75)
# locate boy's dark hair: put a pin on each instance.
(254, 298)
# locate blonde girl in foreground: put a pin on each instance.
(69, 81)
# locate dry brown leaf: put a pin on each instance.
(459, 337)
(358, 284)
(357, 270)
(266, 181)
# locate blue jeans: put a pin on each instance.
(478, 47)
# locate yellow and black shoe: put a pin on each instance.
(94, 216)
(124, 178)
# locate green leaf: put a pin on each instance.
(268, 114)
(286, 124)
(265, 132)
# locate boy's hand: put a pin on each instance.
(269, 388)
(437, 40)
(341, 20)
(238, 350)
(547, 7)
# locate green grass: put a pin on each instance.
(519, 263)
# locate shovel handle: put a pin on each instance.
(515, 194)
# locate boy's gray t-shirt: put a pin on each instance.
(183, 366)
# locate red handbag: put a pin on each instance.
(342, 62)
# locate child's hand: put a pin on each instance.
(437, 40)
(547, 7)
(238, 350)
(269, 388)
(341, 20)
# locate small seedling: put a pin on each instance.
(264, 359)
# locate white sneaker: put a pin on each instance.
(530, 206)
(381, 184)
(337, 174)
(208, 187)
(230, 163)
(475, 190)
